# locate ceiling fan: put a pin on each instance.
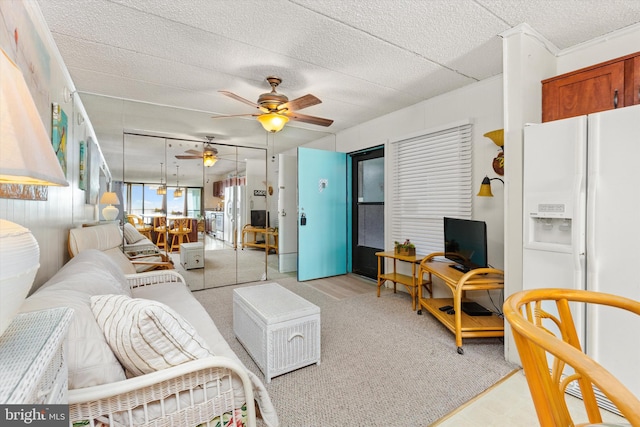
(209, 155)
(277, 110)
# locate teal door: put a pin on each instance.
(322, 214)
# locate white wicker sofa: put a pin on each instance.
(203, 390)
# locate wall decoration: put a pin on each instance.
(59, 135)
(24, 191)
(92, 173)
(82, 166)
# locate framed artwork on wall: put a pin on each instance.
(59, 135)
(82, 166)
(92, 173)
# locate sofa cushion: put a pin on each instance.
(102, 237)
(89, 359)
(131, 235)
(145, 335)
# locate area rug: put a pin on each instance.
(381, 363)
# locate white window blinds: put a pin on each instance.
(431, 179)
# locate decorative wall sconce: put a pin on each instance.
(497, 136)
(485, 187)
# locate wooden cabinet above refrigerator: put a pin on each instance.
(600, 87)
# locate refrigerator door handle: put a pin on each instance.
(592, 202)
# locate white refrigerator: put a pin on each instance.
(581, 195)
(234, 214)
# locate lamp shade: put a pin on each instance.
(273, 122)
(497, 136)
(109, 198)
(27, 153)
(19, 263)
(485, 188)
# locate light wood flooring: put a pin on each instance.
(508, 403)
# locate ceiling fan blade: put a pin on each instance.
(309, 119)
(234, 115)
(239, 98)
(300, 103)
(188, 157)
(194, 152)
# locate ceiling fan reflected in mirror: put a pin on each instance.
(277, 110)
(209, 155)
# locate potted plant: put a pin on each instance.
(405, 249)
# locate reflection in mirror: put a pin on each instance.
(163, 200)
(209, 208)
(228, 203)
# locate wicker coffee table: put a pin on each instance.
(279, 329)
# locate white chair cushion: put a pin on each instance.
(131, 235)
(146, 335)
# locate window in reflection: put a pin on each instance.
(143, 200)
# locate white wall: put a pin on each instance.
(50, 220)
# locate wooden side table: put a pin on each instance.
(412, 283)
(33, 364)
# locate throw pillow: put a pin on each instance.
(146, 335)
(131, 235)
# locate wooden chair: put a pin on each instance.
(180, 229)
(160, 227)
(139, 224)
(526, 311)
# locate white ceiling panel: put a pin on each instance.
(158, 65)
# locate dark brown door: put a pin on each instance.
(368, 211)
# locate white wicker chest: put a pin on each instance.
(33, 366)
(279, 329)
(192, 255)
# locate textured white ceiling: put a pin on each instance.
(157, 65)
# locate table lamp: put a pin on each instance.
(27, 158)
(110, 212)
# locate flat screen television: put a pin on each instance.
(465, 243)
(259, 218)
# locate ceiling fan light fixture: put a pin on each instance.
(209, 158)
(273, 122)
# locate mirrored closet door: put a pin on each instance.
(200, 198)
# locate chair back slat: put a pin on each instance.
(537, 345)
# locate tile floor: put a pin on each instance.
(508, 404)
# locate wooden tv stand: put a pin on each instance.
(460, 323)
(250, 236)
